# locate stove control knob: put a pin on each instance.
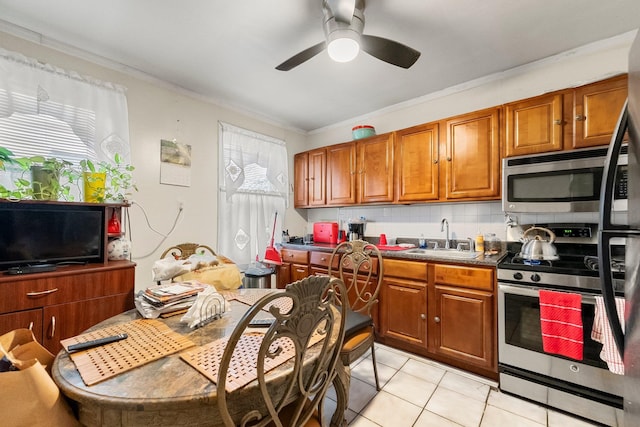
(517, 276)
(535, 277)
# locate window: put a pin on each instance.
(254, 184)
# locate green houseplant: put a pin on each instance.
(107, 181)
(51, 178)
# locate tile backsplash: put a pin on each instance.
(465, 220)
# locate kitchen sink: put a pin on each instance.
(444, 253)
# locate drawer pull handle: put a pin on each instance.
(436, 319)
(30, 326)
(53, 326)
(37, 294)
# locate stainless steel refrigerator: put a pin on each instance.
(628, 342)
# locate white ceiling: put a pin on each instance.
(227, 50)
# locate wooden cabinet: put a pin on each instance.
(341, 174)
(472, 156)
(596, 110)
(462, 321)
(416, 163)
(403, 302)
(375, 169)
(65, 302)
(310, 178)
(360, 171)
(295, 266)
(534, 125)
(319, 262)
(582, 117)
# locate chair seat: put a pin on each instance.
(365, 335)
(355, 322)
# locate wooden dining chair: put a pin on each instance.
(360, 268)
(306, 336)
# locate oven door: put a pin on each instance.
(520, 342)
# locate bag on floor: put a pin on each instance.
(28, 396)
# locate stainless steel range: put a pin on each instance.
(583, 387)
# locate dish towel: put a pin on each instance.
(601, 333)
(561, 323)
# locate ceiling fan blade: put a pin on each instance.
(342, 9)
(301, 57)
(389, 51)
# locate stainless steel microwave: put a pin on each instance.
(567, 181)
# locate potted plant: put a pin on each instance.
(107, 181)
(51, 178)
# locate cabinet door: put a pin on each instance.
(473, 156)
(283, 275)
(534, 125)
(416, 163)
(403, 311)
(341, 174)
(596, 112)
(301, 180)
(317, 177)
(27, 319)
(67, 320)
(375, 169)
(461, 325)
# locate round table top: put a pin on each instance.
(157, 385)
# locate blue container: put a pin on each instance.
(363, 131)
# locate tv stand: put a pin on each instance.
(29, 269)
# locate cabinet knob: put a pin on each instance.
(435, 161)
(557, 122)
(581, 117)
(423, 316)
(448, 158)
(436, 319)
(323, 259)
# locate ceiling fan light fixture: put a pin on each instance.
(343, 46)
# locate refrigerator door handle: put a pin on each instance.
(607, 230)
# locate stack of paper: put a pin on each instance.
(164, 300)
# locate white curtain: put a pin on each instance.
(95, 111)
(253, 186)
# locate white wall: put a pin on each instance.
(585, 65)
(154, 111)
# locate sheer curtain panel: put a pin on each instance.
(254, 182)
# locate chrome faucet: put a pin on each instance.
(444, 223)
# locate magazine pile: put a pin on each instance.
(169, 299)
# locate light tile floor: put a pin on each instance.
(419, 392)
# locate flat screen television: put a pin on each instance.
(49, 233)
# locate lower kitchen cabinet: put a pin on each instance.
(403, 302)
(462, 324)
(295, 266)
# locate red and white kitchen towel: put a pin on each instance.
(601, 333)
(561, 323)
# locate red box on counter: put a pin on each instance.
(325, 232)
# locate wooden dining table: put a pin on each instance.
(168, 391)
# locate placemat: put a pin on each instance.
(243, 365)
(148, 340)
(285, 304)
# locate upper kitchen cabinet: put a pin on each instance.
(310, 178)
(341, 174)
(472, 156)
(585, 116)
(416, 163)
(534, 125)
(596, 110)
(360, 171)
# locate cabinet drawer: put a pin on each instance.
(44, 290)
(405, 269)
(322, 259)
(295, 256)
(364, 269)
(476, 278)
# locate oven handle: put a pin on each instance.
(532, 291)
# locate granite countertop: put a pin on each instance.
(483, 260)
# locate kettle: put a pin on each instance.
(538, 249)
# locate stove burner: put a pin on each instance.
(534, 262)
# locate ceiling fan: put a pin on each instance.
(343, 24)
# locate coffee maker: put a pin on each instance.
(356, 230)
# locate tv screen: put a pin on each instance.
(36, 233)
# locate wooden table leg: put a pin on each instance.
(341, 384)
